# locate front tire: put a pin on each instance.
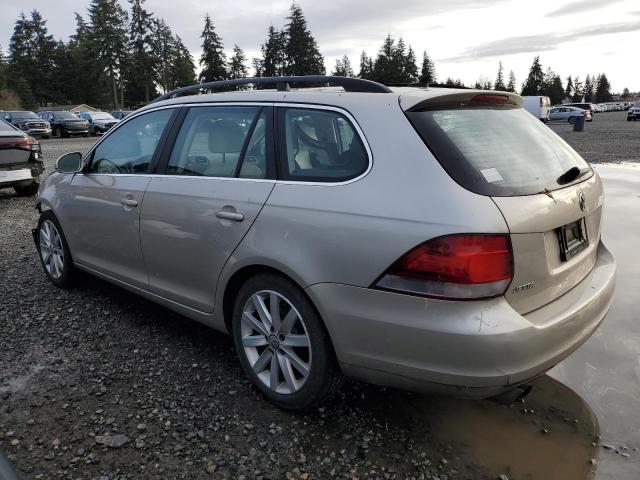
(54, 251)
(282, 344)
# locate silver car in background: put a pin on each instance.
(428, 239)
(568, 114)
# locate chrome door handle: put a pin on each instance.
(129, 202)
(236, 217)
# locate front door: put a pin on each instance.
(103, 218)
(215, 182)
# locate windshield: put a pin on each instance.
(21, 115)
(101, 116)
(65, 115)
(499, 151)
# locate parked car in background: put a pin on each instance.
(569, 114)
(99, 122)
(590, 107)
(120, 114)
(66, 124)
(261, 214)
(20, 160)
(28, 122)
(537, 105)
(634, 112)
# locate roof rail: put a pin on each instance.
(350, 84)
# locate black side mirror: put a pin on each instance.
(69, 163)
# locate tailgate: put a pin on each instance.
(545, 267)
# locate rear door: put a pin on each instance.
(213, 183)
(548, 195)
(101, 220)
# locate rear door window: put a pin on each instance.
(497, 151)
(319, 145)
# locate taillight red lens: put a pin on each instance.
(489, 98)
(454, 267)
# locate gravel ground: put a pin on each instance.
(96, 383)
(608, 139)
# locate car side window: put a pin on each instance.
(130, 148)
(320, 145)
(221, 141)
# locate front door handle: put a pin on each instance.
(235, 216)
(129, 202)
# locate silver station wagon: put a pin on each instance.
(434, 240)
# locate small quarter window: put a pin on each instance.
(320, 146)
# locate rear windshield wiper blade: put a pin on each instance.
(570, 175)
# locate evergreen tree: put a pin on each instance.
(143, 64)
(499, 85)
(302, 52)
(3, 71)
(553, 87)
(343, 67)
(258, 67)
(588, 92)
(274, 54)
(366, 66)
(428, 70)
(569, 89)
(409, 67)
(534, 83)
(577, 90)
(511, 86)
(603, 89)
(625, 93)
(385, 67)
(213, 60)
(109, 37)
(183, 70)
(237, 63)
(164, 47)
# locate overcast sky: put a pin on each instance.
(466, 38)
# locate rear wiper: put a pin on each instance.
(570, 175)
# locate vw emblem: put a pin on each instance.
(582, 201)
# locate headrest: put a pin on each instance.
(225, 136)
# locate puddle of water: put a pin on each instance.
(505, 440)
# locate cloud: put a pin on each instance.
(581, 6)
(540, 42)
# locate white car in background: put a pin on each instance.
(568, 114)
(537, 105)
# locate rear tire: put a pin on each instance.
(286, 352)
(27, 190)
(572, 120)
(54, 251)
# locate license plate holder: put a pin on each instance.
(572, 239)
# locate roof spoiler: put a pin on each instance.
(467, 98)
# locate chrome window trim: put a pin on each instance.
(308, 106)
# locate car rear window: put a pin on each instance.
(497, 151)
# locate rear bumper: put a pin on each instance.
(473, 349)
(20, 176)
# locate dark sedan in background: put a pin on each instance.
(99, 122)
(66, 124)
(28, 122)
(20, 160)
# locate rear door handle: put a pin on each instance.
(235, 216)
(129, 202)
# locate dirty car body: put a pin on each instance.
(446, 240)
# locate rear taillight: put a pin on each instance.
(489, 98)
(455, 267)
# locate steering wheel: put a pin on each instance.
(110, 168)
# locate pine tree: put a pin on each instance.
(164, 47)
(143, 64)
(3, 71)
(384, 67)
(569, 89)
(625, 93)
(274, 54)
(577, 90)
(603, 89)
(552, 87)
(183, 70)
(108, 23)
(302, 52)
(237, 63)
(409, 67)
(343, 67)
(499, 85)
(588, 91)
(213, 60)
(366, 66)
(511, 86)
(428, 70)
(535, 81)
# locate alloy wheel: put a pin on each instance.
(275, 341)
(51, 249)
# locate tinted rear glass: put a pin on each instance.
(65, 116)
(16, 115)
(497, 151)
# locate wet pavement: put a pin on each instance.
(605, 371)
